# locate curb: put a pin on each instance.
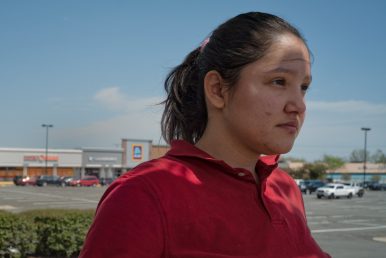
(6, 183)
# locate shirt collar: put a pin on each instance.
(180, 148)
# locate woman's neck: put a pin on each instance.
(231, 153)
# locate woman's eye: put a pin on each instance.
(280, 82)
(305, 87)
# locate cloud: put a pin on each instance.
(114, 99)
(109, 132)
(137, 118)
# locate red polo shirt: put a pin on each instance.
(188, 204)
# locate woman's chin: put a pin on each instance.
(279, 150)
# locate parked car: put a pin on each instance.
(314, 185)
(357, 188)
(28, 180)
(24, 180)
(17, 180)
(303, 187)
(64, 181)
(333, 191)
(106, 181)
(85, 181)
(310, 186)
(376, 186)
(47, 180)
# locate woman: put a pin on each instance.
(233, 105)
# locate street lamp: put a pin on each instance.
(365, 129)
(46, 157)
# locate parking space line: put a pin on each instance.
(7, 207)
(347, 229)
(83, 200)
(380, 239)
(354, 221)
(54, 196)
(38, 194)
(324, 222)
(65, 204)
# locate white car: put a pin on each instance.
(332, 191)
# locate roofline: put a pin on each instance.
(41, 150)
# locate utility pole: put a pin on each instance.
(47, 126)
(365, 129)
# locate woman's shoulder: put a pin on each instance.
(281, 177)
(153, 168)
(156, 179)
(156, 172)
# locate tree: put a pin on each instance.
(358, 156)
(315, 170)
(333, 162)
(297, 173)
(294, 159)
(378, 157)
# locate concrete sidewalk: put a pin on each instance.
(5, 183)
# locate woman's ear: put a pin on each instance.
(214, 89)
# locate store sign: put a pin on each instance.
(103, 159)
(137, 153)
(41, 158)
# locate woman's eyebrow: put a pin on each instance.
(281, 69)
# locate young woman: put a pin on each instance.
(232, 106)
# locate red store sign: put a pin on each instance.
(41, 158)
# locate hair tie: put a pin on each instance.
(203, 44)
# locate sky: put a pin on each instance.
(95, 69)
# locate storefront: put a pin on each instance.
(354, 172)
(32, 162)
(103, 163)
(135, 152)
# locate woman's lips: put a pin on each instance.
(291, 127)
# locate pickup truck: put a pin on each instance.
(358, 190)
(332, 191)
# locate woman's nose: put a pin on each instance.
(296, 103)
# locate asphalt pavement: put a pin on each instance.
(354, 228)
(22, 198)
(344, 228)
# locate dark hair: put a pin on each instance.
(234, 44)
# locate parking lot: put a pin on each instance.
(20, 198)
(343, 227)
(349, 227)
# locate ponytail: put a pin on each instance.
(185, 115)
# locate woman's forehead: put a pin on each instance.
(280, 64)
(286, 53)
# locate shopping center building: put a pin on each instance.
(102, 162)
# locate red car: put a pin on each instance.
(85, 181)
(29, 180)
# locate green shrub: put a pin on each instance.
(61, 232)
(50, 233)
(17, 233)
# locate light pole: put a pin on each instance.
(365, 129)
(46, 157)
